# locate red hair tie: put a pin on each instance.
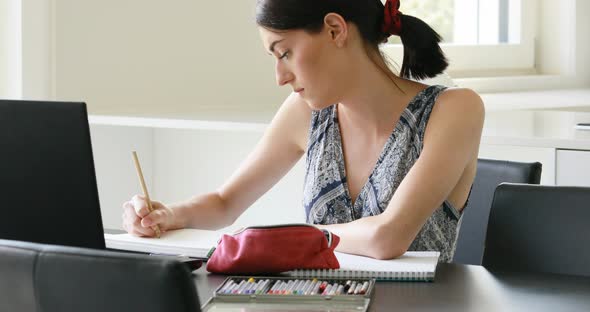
(392, 22)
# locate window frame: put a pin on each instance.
(466, 60)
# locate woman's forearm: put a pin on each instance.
(207, 211)
(367, 237)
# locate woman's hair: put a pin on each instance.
(423, 57)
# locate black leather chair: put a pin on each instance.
(536, 228)
(490, 173)
(46, 278)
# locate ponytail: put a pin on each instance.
(423, 57)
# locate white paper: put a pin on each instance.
(187, 242)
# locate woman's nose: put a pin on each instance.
(283, 75)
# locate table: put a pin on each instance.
(464, 288)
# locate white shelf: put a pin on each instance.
(574, 99)
(573, 143)
(171, 123)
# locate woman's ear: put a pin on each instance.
(337, 28)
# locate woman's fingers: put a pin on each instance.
(140, 205)
(132, 222)
(156, 217)
(139, 230)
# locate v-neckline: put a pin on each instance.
(384, 149)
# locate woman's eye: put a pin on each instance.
(284, 55)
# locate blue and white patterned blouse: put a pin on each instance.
(325, 195)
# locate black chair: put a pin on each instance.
(490, 173)
(37, 277)
(534, 228)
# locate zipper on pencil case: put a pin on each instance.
(327, 233)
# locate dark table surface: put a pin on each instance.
(464, 288)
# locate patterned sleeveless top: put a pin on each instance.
(325, 195)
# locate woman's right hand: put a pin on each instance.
(138, 221)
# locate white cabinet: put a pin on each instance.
(573, 168)
(188, 162)
(180, 163)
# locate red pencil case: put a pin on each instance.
(274, 249)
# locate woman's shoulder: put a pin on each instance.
(454, 92)
(461, 99)
(292, 121)
(456, 104)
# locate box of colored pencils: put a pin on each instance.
(296, 294)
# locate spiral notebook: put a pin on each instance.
(411, 266)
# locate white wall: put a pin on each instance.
(583, 41)
(37, 49)
(10, 49)
(152, 57)
(185, 57)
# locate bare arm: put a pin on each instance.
(282, 145)
(451, 141)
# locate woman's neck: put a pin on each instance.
(373, 101)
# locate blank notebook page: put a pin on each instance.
(188, 242)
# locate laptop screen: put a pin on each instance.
(48, 191)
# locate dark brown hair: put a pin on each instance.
(423, 57)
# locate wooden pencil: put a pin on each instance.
(156, 228)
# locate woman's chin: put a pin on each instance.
(314, 105)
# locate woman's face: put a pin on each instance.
(309, 63)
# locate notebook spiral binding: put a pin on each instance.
(354, 274)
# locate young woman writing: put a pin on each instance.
(389, 161)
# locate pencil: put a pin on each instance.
(156, 228)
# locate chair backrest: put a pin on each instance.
(538, 228)
(37, 277)
(490, 173)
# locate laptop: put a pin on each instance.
(48, 191)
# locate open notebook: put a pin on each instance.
(188, 242)
(412, 266)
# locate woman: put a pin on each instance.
(389, 161)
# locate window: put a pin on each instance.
(479, 36)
